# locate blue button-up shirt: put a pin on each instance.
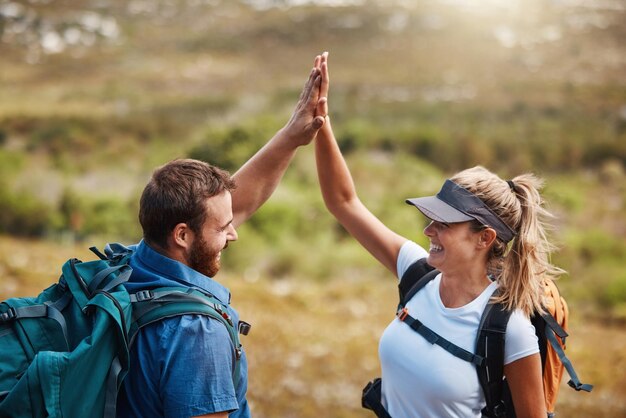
(181, 366)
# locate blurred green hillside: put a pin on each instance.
(95, 94)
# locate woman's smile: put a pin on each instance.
(434, 248)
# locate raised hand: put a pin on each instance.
(322, 104)
(258, 177)
(306, 119)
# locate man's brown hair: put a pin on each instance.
(176, 193)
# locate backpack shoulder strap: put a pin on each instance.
(551, 335)
(150, 306)
(490, 344)
(555, 332)
(414, 279)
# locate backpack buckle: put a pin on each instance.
(499, 410)
(402, 314)
(8, 315)
(144, 295)
(244, 327)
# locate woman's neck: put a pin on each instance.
(460, 288)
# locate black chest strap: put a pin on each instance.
(413, 280)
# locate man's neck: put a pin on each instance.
(167, 252)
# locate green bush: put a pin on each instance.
(21, 214)
(110, 216)
(230, 147)
(276, 218)
(614, 294)
(596, 246)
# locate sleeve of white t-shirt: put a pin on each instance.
(521, 340)
(409, 253)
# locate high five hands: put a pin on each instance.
(312, 108)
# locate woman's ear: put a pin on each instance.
(486, 237)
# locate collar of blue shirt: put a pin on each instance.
(152, 269)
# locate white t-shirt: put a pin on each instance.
(422, 380)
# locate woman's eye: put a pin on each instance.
(437, 224)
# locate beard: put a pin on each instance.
(202, 259)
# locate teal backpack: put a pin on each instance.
(66, 352)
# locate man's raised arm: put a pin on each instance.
(260, 175)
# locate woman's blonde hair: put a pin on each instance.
(522, 266)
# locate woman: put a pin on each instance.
(481, 227)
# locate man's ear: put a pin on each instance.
(486, 237)
(182, 236)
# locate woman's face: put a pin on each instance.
(453, 247)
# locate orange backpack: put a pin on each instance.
(553, 366)
(551, 330)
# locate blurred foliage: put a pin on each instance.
(315, 360)
(228, 147)
(96, 95)
(413, 156)
(21, 213)
(98, 216)
(614, 294)
(102, 95)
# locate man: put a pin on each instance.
(189, 211)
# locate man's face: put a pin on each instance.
(214, 235)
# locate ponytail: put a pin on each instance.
(522, 266)
(527, 264)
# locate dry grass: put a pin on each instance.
(314, 345)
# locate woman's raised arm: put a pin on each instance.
(340, 194)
